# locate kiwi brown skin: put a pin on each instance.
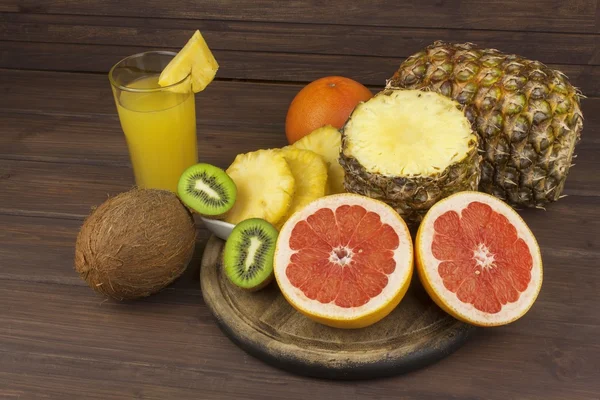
(263, 285)
(232, 256)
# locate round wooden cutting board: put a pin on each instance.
(262, 323)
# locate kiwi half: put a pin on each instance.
(207, 189)
(249, 252)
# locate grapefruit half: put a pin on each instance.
(478, 260)
(344, 260)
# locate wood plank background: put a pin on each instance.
(62, 152)
(288, 48)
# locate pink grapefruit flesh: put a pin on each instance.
(478, 259)
(344, 260)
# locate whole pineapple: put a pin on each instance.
(527, 115)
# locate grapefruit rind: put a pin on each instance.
(377, 307)
(447, 300)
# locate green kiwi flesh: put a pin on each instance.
(249, 253)
(207, 189)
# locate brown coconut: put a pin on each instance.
(135, 244)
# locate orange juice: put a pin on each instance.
(160, 129)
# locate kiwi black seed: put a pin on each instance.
(207, 189)
(249, 253)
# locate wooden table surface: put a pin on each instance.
(62, 152)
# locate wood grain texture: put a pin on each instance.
(69, 93)
(279, 67)
(62, 152)
(169, 343)
(567, 257)
(41, 122)
(325, 39)
(284, 67)
(269, 51)
(71, 189)
(54, 243)
(99, 140)
(53, 145)
(415, 334)
(542, 15)
(78, 140)
(60, 130)
(551, 227)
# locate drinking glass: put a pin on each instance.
(159, 123)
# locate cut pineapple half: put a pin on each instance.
(265, 186)
(410, 149)
(310, 174)
(326, 142)
(408, 133)
(196, 59)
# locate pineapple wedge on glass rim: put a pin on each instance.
(409, 149)
(195, 58)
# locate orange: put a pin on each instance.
(326, 101)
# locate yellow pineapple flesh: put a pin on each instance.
(326, 142)
(410, 149)
(194, 59)
(310, 174)
(265, 186)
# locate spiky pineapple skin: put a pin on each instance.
(411, 197)
(527, 115)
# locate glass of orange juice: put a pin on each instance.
(159, 123)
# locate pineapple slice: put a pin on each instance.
(326, 142)
(265, 186)
(195, 57)
(310, 173)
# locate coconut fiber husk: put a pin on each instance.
(135, 244)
